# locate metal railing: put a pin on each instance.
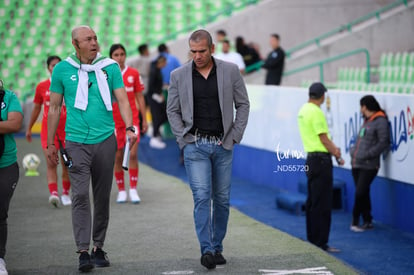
(320, 64)
(346, 27)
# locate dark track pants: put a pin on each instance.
(8, 181)
(91, 162)
(319, 200)
(362, 204)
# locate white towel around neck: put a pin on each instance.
(81, 99)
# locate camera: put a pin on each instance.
(67, 160)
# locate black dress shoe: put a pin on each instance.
(219, 259)
(208, 261)
(85, 263)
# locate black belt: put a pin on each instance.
(318, 154)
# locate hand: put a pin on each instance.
(340, 161)
(52, 154)
(29, 135)
(144, 126)
(132, 137)
(337, 153)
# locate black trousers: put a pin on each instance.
(362, 204)
(159, 115)
(8, 180)
(319, 200)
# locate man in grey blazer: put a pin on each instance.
(201, 100)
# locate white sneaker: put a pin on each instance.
(133, 196)
(122, 197)
(157, 143)
(54, 200)
(356, 228)
(3, 270)
(65, 200)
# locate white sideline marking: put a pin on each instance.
(178, 272)
(322, 270)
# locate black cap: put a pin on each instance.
(317, 90)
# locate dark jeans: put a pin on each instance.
(8, 180)
(362, 204)
(319, 200)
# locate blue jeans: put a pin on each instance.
(208, 167)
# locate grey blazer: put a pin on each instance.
(232, 95)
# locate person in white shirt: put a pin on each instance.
(232, 57)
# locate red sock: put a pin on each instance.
(65, 187)
(53, 188)
(133, 178)
(119, 177)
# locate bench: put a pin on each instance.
(294, 202)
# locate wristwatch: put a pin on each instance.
(130, 128)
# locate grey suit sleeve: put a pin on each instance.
(242, 106)
(174, 109)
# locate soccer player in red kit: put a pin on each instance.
(42, 96)
(134, 88)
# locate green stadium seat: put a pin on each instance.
(411, 60)
(402, 75)
(5, 72)
(46, 25)
(386, 60)
(410, 76)
(346, 74)
(177, 7)
(351, 74)
(405, 59)
(397, 60)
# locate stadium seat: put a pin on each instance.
(46, 25)
(411, 60)
(397, 60)
(405, 59)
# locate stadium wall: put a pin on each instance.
(300, 20)
(271, 151)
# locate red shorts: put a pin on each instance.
(120, 134)
(43, 139)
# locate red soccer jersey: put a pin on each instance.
(133, 85)
(42, 96)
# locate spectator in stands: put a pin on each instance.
(157, 101)
(42, 96)
(319, 148)
(206, 129)
(373, 139)
(249, 54)
(172, 63)
(142, 63)
(274, 62)
(232, 57)
(87, 82)
(134, 88)
(11, 118)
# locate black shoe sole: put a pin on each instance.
(102, 265)
(86, 267)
